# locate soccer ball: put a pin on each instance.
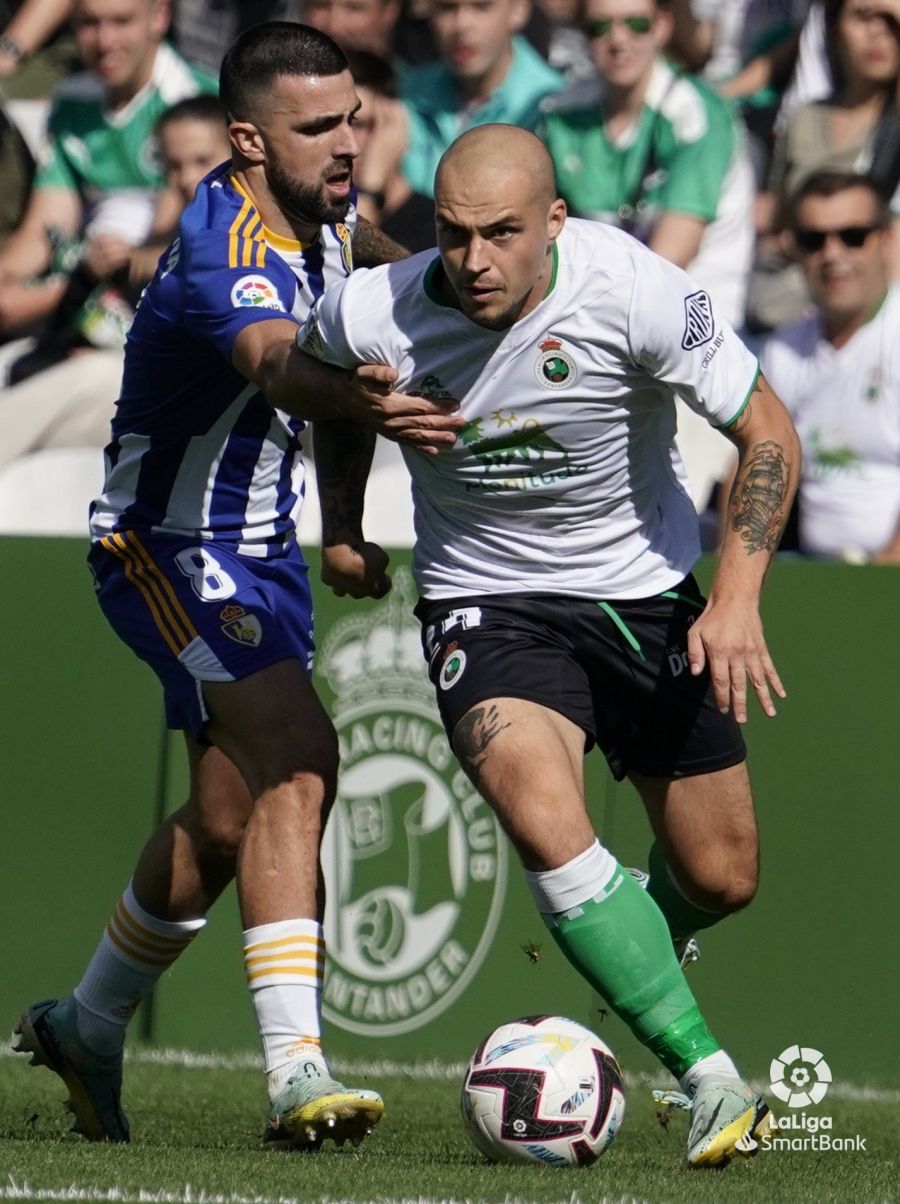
(543, 1089)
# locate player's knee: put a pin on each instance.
(301, 757)
(222, 835)
(736, 885)
(737, 893)
(725, 883)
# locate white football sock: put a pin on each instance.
(285, 962)
(717, 1065)
(133, 953)
(568, 886)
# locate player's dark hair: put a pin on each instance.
(193, 108)
(255, 59)
(830, 183)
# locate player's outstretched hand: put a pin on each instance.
(730, 640)
(429, 426)
(357, 569)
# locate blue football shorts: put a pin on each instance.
(617, 669)
(199, 612)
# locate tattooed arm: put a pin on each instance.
(728, 636)
(343, 456)
(372, 247)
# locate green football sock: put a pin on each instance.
(619, 942)
(683, 917)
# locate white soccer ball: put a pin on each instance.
(543, 1089)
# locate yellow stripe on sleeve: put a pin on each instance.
(233, 229)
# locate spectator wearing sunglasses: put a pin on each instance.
(839, 370)
(657, 153)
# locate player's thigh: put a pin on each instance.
(273, 726)
(516, 707)
(526, 761)
(706, 825)
(219, 802)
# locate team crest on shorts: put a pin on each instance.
(255, 292)
(413, 858)
(242, 628)
(699, 324)
(554, 368)
(453, 668)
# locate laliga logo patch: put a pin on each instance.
(699, 324)
(452, 669)
(256, 292)
(554, 368)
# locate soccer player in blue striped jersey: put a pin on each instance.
(198, 570)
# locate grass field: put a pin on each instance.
(196, 1128)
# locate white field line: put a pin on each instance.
(442, 1071)
(21, 1189)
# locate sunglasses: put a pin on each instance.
(810, 241)
(601, 29)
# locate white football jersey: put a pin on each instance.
(845, 403)
(565, 478)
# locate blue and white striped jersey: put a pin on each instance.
(196, 449)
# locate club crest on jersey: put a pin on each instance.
(255, 292)
(699, 324)
(245, 629)
(554, 368)
(231, 611)
(346, 239)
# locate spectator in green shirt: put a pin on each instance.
(99, 176)
(657, 152)
(486, 73)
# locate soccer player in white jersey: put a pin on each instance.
(839, 370)
(197, 568)
(555, 542)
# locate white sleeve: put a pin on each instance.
(335, 329)
(677, 335)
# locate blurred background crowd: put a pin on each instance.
(755, 143)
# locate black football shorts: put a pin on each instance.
(617, 669)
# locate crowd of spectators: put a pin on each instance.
(756, 143)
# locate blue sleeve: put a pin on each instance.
(225, 290)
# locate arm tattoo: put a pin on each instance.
(759, 497)
(343, 454)
(372, 247)
(473, 734)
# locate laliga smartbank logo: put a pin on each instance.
(414, 862)
(800, 1078)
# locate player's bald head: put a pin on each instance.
(497, 218)
(500, 163)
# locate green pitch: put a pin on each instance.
(196, 1142)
